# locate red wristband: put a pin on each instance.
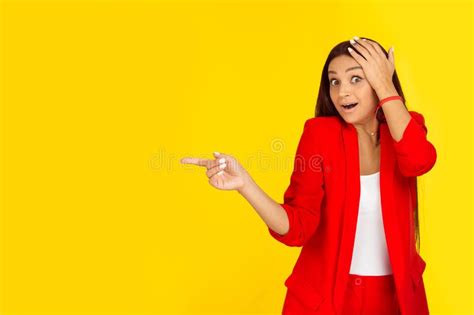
(390, 98)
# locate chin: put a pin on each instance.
(350, 119)
(359, 117)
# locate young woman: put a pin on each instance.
(352, 199)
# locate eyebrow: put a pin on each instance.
(347, 70)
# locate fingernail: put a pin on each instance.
(220, 173)
(393, 49)
(350, 49)
(353, 42)
(222, 160)
(222, 165)
(216, 153)
(357, 37)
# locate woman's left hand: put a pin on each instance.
(378, 69)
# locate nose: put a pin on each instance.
(344, 90)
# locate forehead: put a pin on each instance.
(340, 64)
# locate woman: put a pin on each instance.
(352, 200)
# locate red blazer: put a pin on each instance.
(322, 202)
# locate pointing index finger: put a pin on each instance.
(195, 161)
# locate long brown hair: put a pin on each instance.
(325, 106)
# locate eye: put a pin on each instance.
(355, 76)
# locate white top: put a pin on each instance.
(370, 255)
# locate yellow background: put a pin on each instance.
(100, 100)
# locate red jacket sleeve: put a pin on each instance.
(415, 154)
(302, 198)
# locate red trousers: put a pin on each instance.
(371, 295)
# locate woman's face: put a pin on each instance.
(347, 84)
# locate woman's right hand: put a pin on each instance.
(224, 172)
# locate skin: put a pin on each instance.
(378, 72)
(350, 87)
(225, 172)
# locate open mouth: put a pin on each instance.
(349, 106)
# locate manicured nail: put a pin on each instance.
(357, 38)
(222, 165)
(222, 160)
(220, 173)
(353, 42)
(350, 49)
(216, 153)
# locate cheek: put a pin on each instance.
(367, 94)
(333, 96)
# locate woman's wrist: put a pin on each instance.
(386, 91)
(246, 185)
